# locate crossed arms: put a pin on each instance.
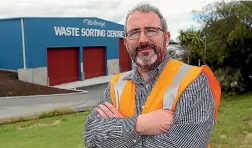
(189, 126)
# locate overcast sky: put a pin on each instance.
(178, 13)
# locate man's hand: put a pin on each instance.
(153, 123)
(108, 111)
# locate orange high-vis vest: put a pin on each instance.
(174, 79)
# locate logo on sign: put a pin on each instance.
(88, 22)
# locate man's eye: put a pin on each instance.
(134, 32)
(151, 30)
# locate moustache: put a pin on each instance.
(146, 45)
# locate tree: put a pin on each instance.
(228, 31)
(192, 41)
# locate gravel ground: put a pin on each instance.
(11, 86)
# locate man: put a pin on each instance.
(161, 102)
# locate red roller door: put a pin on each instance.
(62, 65)
(124, 59)
(94, 62)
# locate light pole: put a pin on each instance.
(205, 52)
(204, 37)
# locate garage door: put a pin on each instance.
(94, 62)
(62, 65)
(124, 59)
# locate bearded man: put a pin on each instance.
(162, 102)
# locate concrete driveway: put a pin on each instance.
(10, 107)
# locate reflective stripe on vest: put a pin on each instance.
(119, 86)
(172, 91)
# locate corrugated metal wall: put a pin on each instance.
(42, 33)
(11, 54)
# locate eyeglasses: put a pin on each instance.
(149, 32)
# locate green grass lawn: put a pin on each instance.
(233, 129)
(234, 126)
(55, 132)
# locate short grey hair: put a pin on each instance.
(147, 8)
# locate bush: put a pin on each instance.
(231, 80)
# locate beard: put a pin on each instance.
(146, 61)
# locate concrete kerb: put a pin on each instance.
(83, 109)
(49, 95)
(85, 83)
(36, 115)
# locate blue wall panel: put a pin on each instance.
(11, 53)
(42, 33)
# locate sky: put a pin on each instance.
(178, 13)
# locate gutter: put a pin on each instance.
(23, 42)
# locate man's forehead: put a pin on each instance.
(143, 19)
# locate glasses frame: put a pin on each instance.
(145, 30)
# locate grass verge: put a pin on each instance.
(234, 124)
(54, 132)
(52, 113)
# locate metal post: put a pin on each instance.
(205, 52)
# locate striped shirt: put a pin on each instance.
(193, 118)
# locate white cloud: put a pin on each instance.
(178, 13)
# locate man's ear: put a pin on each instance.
(168, 37)
(125, 42)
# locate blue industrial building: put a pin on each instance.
(52, 51)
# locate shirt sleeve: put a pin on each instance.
(109, 132)
(193, 120)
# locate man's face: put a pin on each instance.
(145, 40)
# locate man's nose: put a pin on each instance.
(143, 37)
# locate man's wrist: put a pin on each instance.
(139, 126)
